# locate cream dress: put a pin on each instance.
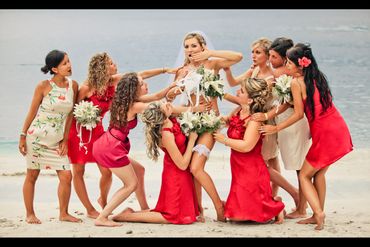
(293, 141)
(47, 130)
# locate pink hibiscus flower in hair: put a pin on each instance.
(304, 62)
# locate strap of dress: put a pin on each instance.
(245, 117)
(167, 129)
(255, 72)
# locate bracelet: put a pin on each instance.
(266, 116)
(225, 140)
(23, 134)
(163, 70)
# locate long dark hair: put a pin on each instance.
(125, 96)
(312, 75)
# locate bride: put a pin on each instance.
(197, 53)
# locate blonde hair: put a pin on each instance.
(98, 76)
(258, 91)
(264, 43)
(153, 118)
(200, 40)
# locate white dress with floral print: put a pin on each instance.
(47, 130)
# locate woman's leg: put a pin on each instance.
(128, 177)
(64, 194)
(197, 165)
(300, 210)
(140, 191)
(80, 188)
(312, 196)
(145, 216)
(29, 194)
(104, 185)
(280, 181)
(274, 164)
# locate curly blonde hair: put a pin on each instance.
(200, 40)
(125, 96)
(98, 77)
(153, 118)
(259, 92)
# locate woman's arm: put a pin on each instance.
(181, 161)
(260, 116)
(153, 72)
(156, 96)
(297, 114)
(250, 139)
(36, 101)
(234, 81)
(228, 58)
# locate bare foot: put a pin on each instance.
(320, 219)
(220, 212)
(32, 219)
(295, 215)
(102, 203)
(106, 222)
(280, 217)
(200, 217)
(310, 220)
(93, 214)
(69, 218)
(121, 216)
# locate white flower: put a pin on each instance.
(282, 90)
(87, 114)
(199, 122)
(211, 85)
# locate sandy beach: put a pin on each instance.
(347, 203)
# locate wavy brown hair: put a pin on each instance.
(259, 92)
(98, 77)
(125, 96)
(153, 118)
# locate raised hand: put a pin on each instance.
(198, 57)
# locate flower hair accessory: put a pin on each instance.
(304, 62)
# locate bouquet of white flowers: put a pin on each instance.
(87, 115)
(199, 121)
(211, 85)
(282, 90)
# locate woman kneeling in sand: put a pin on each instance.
(177, 203)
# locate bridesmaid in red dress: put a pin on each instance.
(177, 203)
(250, 197)
(112, 148)
(331, 139)
(99, 88)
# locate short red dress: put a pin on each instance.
(250, 196)
(177, 199)
(112, 148)
(82, 155)
(331, 139)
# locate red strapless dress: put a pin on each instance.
(250, 196)
(80, 155)
(177, 199)
(331, 139)
(112, 148)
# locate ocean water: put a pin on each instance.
(144, 39)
